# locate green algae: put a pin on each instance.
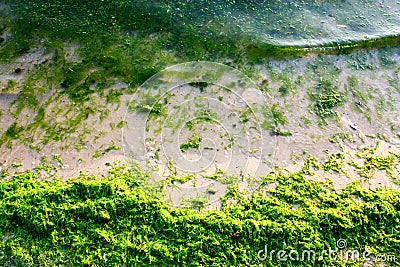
(373, 162)
(115, 221)
(193, 142)
(13, 132)
(279, 22)
(326, 98)
(274, 119)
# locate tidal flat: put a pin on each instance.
(112, 153)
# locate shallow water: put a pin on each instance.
(282, 22)
(305, 23)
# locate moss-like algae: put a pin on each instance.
(115, 221)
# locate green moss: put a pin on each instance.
(10, 85)
(113, 96)
(193, 142)
(360, 60)
(198, 202)
(13, 131)
(58, 159)
(117, 220)
(373, 162)
(205, 114)
(39, 120)
(340, 137)
(245, 115)
(21, 41)
(201, 85)
(394, 82)
(283, 90)
(26, 98)
(326, 99)
(181, 179)
(148, 105)
(114, 221)
(274, 119)
(77, 90)
(256, 52)
(336, 163)
(121, 124)
(102, 152)
(212, 191)
(307, 122)
(278, 116)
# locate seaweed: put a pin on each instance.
(116, 221)
(326, 99)
(193, 142)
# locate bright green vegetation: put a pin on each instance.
(119, 220)
(193, 142)
(278, 116)
(274, 123)
(151, 107)
(373, 162)
(340, 137)
(13, 132)
(283, 90)
(200, 85)
(100, 153)
(326, 99)
(206, 115)
(285, 79)
(336, 163)
(180, 179)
